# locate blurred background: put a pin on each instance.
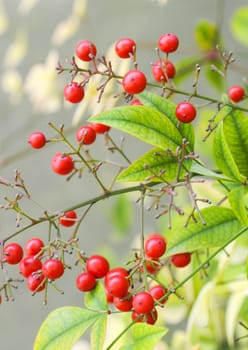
(34, 36)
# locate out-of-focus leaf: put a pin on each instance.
(17, 50)
(65, 30)
(239, 25)
(206, 35)
(214, 78)
(121, 215)
(26, 6)
(98, 333)
(4, 21)
(237, 202)
(185, 68)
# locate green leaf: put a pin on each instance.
(121, 214)
(213, 77)
(223, 156)
(206, 35)
(63, 327)
(144, 123)
(96, 298)
(145, 337)
(185, 68)
(198, 169)
(153, 162)
(98, 332)
(237, 202)
(239, 25)
(235, 127)
(221, 225)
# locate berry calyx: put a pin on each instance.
(68, 219)
(33, 246)
(97, 265)
(62, 164)
(73, 92)
(86, 135)
(143, 303)
(29, 264)
(86, 50)
(181, 259)
(162, 70)
(134, 82)
(53, 269)
(168, 42)
(37, 139)
(13, 253)
(85, 281)
(100, 128)
(185, 112)
(236, 93)
(125, 47)
(155, 246)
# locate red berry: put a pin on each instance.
(136, 102)
(85, 281)
(37, 139)
(100, 128)
(117, 286)
(134, 82)
(62, 164)
(13, 253)
(68, 219)
(168, 42)
(143, 302)
(149, 318)
(117, 271)
(236, 93)
(86, 135)
(163, 70)
(185, 112)
(125, 48)
(53, 269)
(73, 92)
(36, 282)
(155, 246)
(97, 265)
(109, 296)
(181, 259)
(152, 265)
(33, 246)
(123, 304)
(158, 292)
(86, 50)
(29, 264)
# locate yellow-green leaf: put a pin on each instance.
(237, 201)
(239, 25)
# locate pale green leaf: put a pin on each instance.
(98, 332)
(239, 25)
(121, 215)
(206, 35)
(198, 169)
(96, 298)
(237, 202)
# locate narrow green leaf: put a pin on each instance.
(63, 327)
(145, 337)
(198, 169)
(144, 123)
(98, 332)
(153, 162)
(221, 225)
(235, 127)
(223, 156)
(206, 35)
(96, 298)
(239, 25)
(237, 202)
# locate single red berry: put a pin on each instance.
(68, 219)
(37, 139)
(185, 112)
(152, 265)
(98, 265)
(62, 164)
(117, 286)
(86, 135)
(181, 259)
(236, 93)
(155, 246)
(136, 102)
(168, 42)
(13, 253)
(36, 282)
(116, 271)
(85, 281)
(73, 92)
(143, 302)
(162, 70)
(53, 269)
(125, 48)
(99, 128)
(109, 297)
(33, 246)
(123, 304)
(134, 82)
(149, 318)
(158, 292)
(86, 50)
(29, 264)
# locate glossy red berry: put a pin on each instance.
(116, 271)
(37, 139)
(68, 219)
(36, 282)
(33, 246)
(149, 318)
(85, 281)
(53, 269)
(117, 286)
(86, 50)
(236, 93)
(100, 128)
(97, 265)
(158, 292)
(73, 92)
(185, 112)
(62, 164)
(168, 42)
(155, 246)
(13, 253)
(134, 82)
(125, 47)
(143, 302)
(123, 304)
(86, 135)
(29, 264)
(163, 70)
(181, 259)
(136, 102)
